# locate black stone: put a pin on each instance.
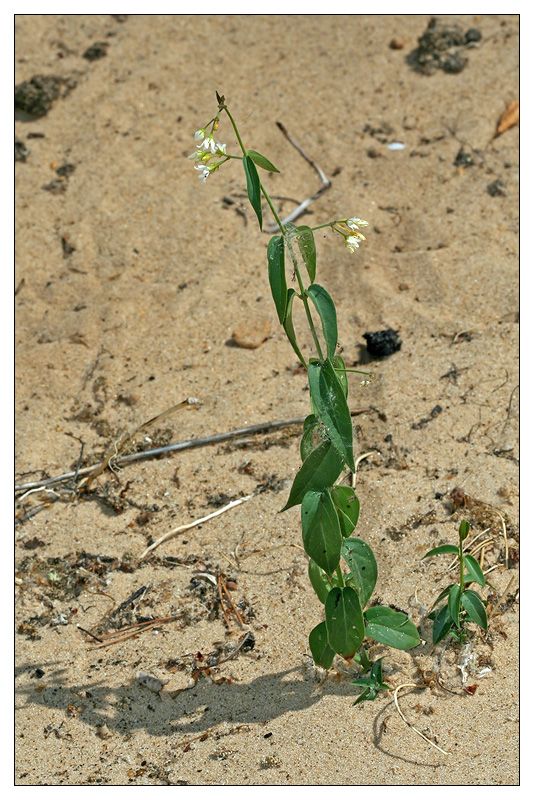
(383, 343)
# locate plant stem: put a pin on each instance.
(340, 576)
(224, 108)
(284, 233)
(461, 566)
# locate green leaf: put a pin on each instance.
(322, 653)
(347, 507)
(444, 593)
(327, 314)
(253, 186)
(319, 471)
(344, 621)
(319, 581)
(474, 570)
(331, 407)
(306, 244)
(320, 530)
(308, 441)
(366, 695)
(391, 627)
(444, 548)
(277, 276)
(288, 324)
(454, 604)
(443, 622)
(261, 161)
(363, 569)
(464, 529)
(376, 671)
(339, 366)
(474, 606)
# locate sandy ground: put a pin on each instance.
(132, 276)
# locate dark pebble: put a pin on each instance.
(21, 151)
(496, 189)
(382, 343)
(36, 96)
(96, 51)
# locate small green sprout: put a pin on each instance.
(372, 685)
(463, 605)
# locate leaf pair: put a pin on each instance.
(372, 685)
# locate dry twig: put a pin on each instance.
(409, 724)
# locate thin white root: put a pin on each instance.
(409, 724)
(189, 525)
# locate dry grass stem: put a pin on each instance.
(409, 724)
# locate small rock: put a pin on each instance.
(251, 334)
(36, 96)
(96, 51)
(496, 189)
(103, 732)
(21, 151)
(396, 44)
(150, 681)
(382, 343)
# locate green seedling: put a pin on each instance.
(329, 511)
(372, 685)
(463, 604)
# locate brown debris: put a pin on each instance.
(508, 118)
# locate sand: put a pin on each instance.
(132, 277)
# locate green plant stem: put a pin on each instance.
(340, 576)
(283, 230)
(461, 566)
(234, 126)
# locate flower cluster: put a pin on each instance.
(207, 150)
(350, 230)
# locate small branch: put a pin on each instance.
(217, 438)
(409, 724)
(189, 525)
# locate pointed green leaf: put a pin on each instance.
(443, 622)
(366, 695)
(444, 548)
(444, 593)
(454, 604)
(474, 606)
(363, 569)
(474, 570)
(327, 314)
(319, 471)
(347, 506)
(277, 275)
(320, 530)
(464, 529)
(322, 653)
(253, 186)
(306, 245)
(288, 324)
(319, 581)
(384, 615)
(331, 407)
(261, 161)
(344, 621)
(339, 366)
(403, 638)
(376, 671)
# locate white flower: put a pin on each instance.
(353, 242)
(206, 172)
(208, 144)
(199, 134)
(220, 148)
(354, 223)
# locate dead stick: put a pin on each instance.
(262, 427)
(193, 524)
